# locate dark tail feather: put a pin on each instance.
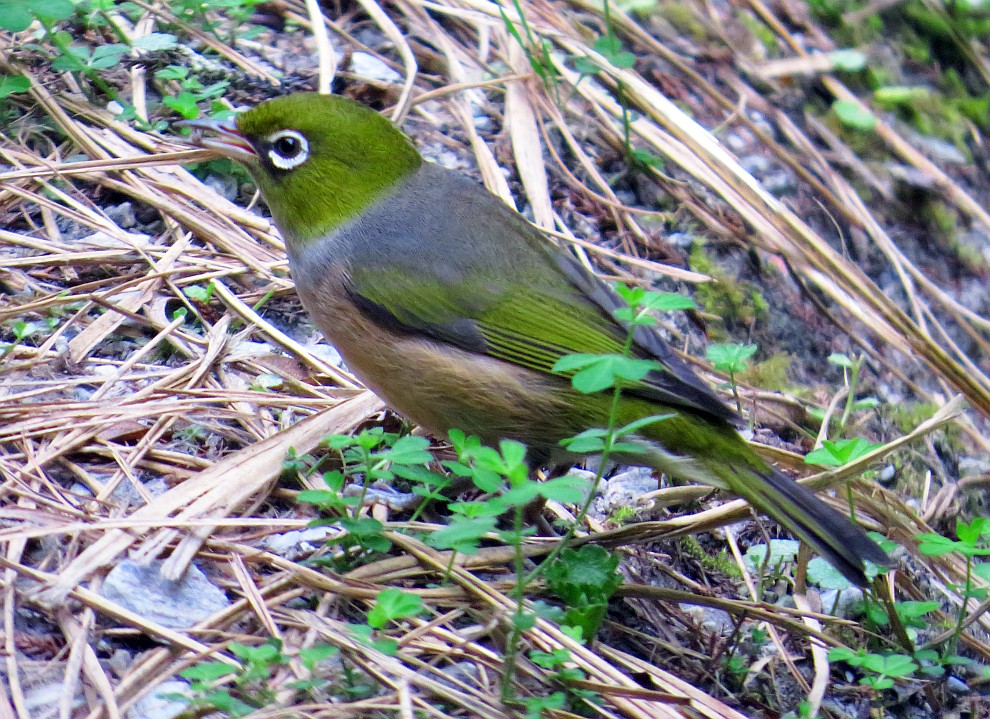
(844, 544)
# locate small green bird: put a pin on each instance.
(454, 309)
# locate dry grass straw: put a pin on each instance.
(70, 411)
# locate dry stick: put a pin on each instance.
(520, 121)
(393, 33)
(246, 313)
(89, 167)
(327, 58)
(82, 659)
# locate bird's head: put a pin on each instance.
(319, 160)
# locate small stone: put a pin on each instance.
(735, 142)
(126, 494)
(681, 240)
(887, 475)
(42, 701)
(120, 662)
(626, 197)
(482, 123)
(122, 214)
(327, 353)
(940, 150)
(142, 589)
(380, 493)
(626, 489)
(157, 705)
(296, 543)
(957, 686)
(843, 603)
(778, 183)
(755, 164)
(449, 159)
(460, 673)
(846, 709)
(370, 67)
(245, 351)
(583, 474)
(131, 241)
(225, 186)
(910, 176)
(717, 621)
(976, 465)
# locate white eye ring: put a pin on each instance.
(289, 149)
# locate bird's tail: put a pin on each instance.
(843, 543)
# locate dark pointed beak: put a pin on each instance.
(223, 138)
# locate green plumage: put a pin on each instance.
(454, 309)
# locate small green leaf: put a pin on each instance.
(462, 535)
(172, 72)
(780, 551)
(840, 360)
(840, 654)
(651, 160)
(386, 646)
(730, 357)
(156, 41)
(586, 576)
(590, 441)
(840, 452)
(854, 115)
(610, 47)
(17, 15)
(524, 621)
(982, 571)
(184, 103)
(971, 532)
(393, 604)
(550, 660)
(600, 372)
(317, 496)
(900, 95)
(207, 671)
(569, 489)
(107, 56)
(585, 66)
(11, 84)
(848, 60)
(913, 610)
(826, 576)
(409, 450)
(199, 293)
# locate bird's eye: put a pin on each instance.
(288, 149)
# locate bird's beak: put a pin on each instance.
(224, 138)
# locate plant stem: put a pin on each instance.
(851, 394)
(519, 595)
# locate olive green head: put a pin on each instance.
(319, 160)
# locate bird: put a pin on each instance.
(454, 310)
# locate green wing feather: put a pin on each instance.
(554, 310)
